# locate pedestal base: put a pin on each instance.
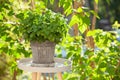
(60, 65)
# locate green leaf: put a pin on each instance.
(94, 13)
(69, 55)
(86, 20)
(1, 17)
(61, 2)
(51, 1)
(102, 65)
(96, 1)
(68, 11)
(94, 32)
(11, 12)
(116, 25)
(91, 33)
(83, 28)
(79, 10)
(74, 20)
(110, 69)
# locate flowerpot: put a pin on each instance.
(43, 53)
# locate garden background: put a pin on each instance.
(92, 43)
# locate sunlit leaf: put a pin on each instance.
(96, 1)
(1, 17)
(83, 28)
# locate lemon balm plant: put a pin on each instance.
(44, 29)
(42, 26)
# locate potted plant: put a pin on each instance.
(44, 29)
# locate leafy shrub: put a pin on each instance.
(42, 26)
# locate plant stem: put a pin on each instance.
(75, 6)
(14, 75)
(33, 4)
(94, 17)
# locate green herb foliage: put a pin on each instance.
(42, 26)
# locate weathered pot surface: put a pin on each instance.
(43, 53)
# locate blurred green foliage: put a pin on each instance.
(11, 42)
(4, 68)
(102, 63)
(109, 9)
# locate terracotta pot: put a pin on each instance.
(43, 53)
